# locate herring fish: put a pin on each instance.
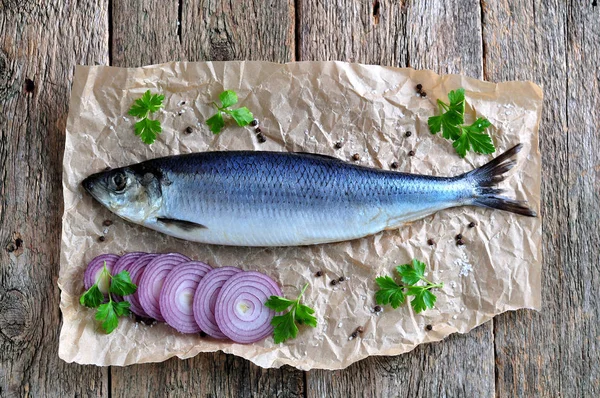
(257, 198)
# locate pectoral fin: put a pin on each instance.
(181, 224)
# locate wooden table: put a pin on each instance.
(553, 43)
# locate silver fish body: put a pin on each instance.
(246, 198)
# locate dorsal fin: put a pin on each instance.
(329, 157)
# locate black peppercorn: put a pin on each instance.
(338, 145)
(354, 334)
(429, 328)
(408, 133)
(377, 308)
(254, 122)
(334, 282)
(459, 236)
(423, 94)
(419, 87)
(319, 273)
(203, 334)
(356, 157)
(107, 223)
(101, 238)
(430, 242)
(189, 130)
(341, 279)
(261, 138)
(472, 224)
(394, 165)
(460, 242)
(258, 130)
(411, 153)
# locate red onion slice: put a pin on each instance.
(240, 311)
(122, 264)
(152, 281)
(177, 295)
(136, 270)
(205, 299)
(94, 268)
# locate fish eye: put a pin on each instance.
(120, 181)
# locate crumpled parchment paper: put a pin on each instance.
(307, 106)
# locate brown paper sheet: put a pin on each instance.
(307, 106)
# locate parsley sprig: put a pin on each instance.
(450, 123)
(109, 313)
(395, 294)
(147, 129)
(285, 325)
(242, 116)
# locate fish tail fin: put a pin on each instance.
(488, 176)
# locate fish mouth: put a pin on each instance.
(88, 184)
(93, 186)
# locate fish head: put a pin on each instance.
(134, 195)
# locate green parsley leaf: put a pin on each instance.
(478, 142)
(107, 314)
(149, 103)
(450, 131)
(148, 130)
(422, 300)
(92, 297)
(450, 123)
(278, 304)
(435, 124)
(305, 315)
(121, 284)
(242, 116)
(122, 308)
(411, 274)
(389, 292)
(216, 123)
(228, 98)
(457, 101)
(285, 325)
(394, 294)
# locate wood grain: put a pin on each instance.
(553, 353)
(446, 37)
(209, 31)
(40, 43)
(236, 30)
(348, 30)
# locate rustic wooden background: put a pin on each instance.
(551, 42)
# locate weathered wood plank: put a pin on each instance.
(207, 375)
(234, 30)
(145, 32)
(209, 31)
(40, 43)
(354, 31)
(446, 37)
(554, 353)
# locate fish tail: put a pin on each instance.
(488, 176)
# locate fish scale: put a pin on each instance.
(260, 198)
